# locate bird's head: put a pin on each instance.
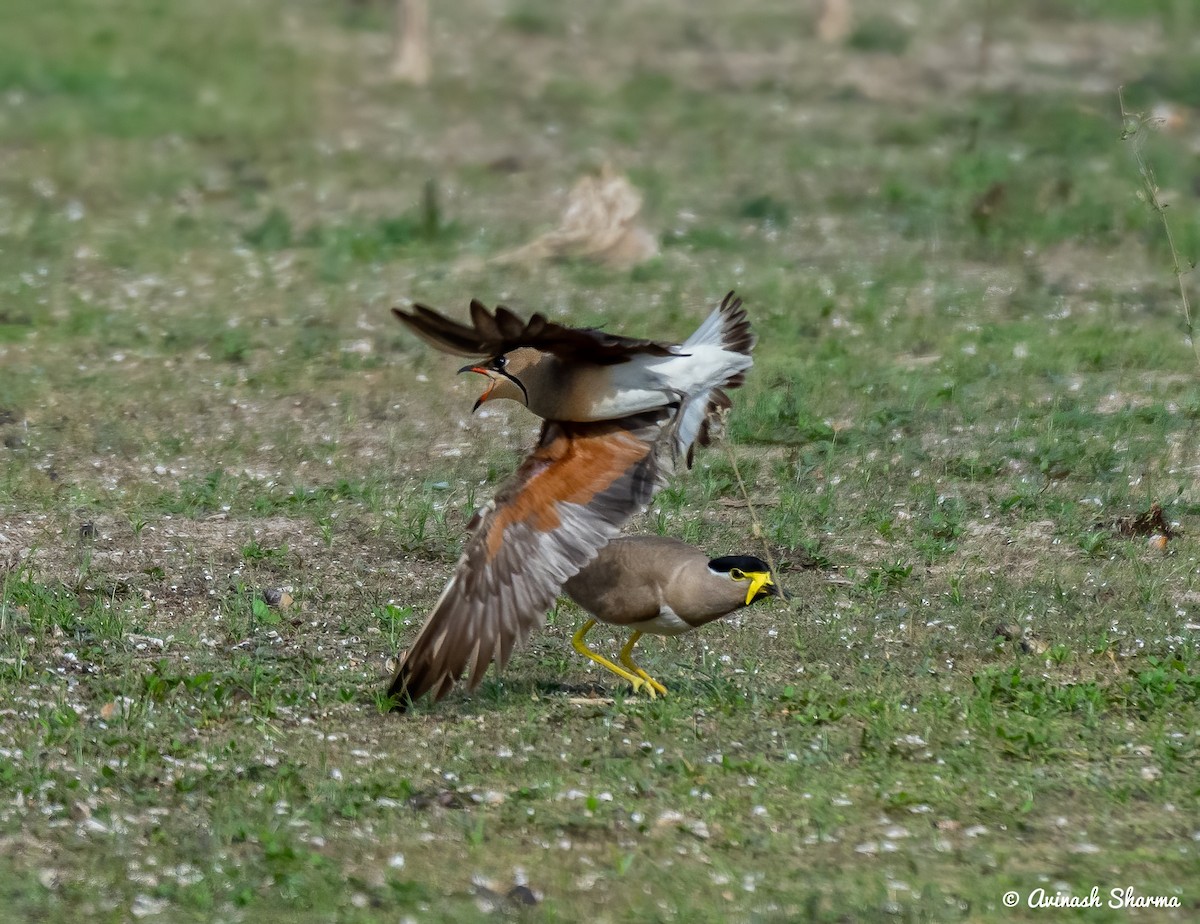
(748, 570)
(504, 372)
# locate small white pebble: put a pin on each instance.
(144, 906)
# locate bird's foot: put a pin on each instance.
(642, 683)
(626, 657)
(651, 684)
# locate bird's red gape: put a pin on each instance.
(488, 391)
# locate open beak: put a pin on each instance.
(495, 377)
(492, 379)
(758, 582)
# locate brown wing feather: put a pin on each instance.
(570, 497)
(719, 403)
(491, 334)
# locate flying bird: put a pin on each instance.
(656, 585)
(584, 374)
(608, 442)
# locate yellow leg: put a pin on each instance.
(627, 660)
(583, 649)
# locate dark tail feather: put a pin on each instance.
(441, 332)
(736, 334)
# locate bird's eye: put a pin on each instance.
(737, 574)
(499, 362)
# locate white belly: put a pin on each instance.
(648, 382)
(665, 623)
(628, 401)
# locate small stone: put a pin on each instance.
(1008, 631)
(277, 598)
(522, 895)
(145, 906)
(487, 900)
(699, 829)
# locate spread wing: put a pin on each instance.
(567, 500)
(491, 334)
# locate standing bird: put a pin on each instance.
(656, 585)
(618, 413)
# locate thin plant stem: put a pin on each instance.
(756, 524)
(1132, 125)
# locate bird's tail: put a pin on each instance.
(727, 328)
(700, 418)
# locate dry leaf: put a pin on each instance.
(599, 224)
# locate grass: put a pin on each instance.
(231, 487)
